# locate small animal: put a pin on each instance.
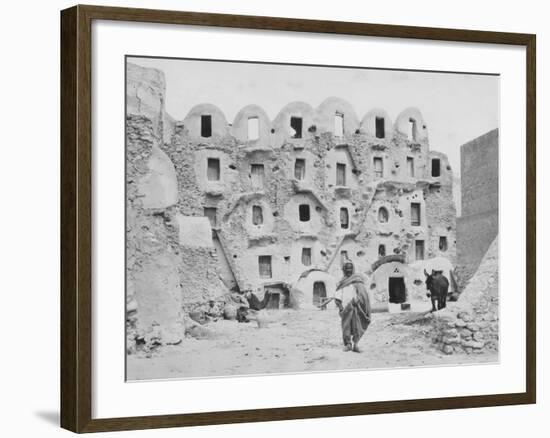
(438, 287)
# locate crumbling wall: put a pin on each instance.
(230, 198)
(168, 273)
(153, 294)
(145, 91)
(282, 235)
(471, 324)
(198, 265)
(441, 211)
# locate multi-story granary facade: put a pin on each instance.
(289, 199)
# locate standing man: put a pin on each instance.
(353, 303)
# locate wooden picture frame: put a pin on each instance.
(76, 217)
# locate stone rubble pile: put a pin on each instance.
(471, 324)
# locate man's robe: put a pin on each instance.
(356, 311)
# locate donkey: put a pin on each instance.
(438, 287)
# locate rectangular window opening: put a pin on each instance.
(306, 256)
(419, 249)
(436, 167)
(210, 213)
(253, 128)
(264, 263)
(213, 169)
(300, 168)
(304, 213)
(411, 130)
(379, 127)
(443, 243)
(415, 213)
(410, 167)
(206, 125)
(257, 215)
(257, 173)
(378, 167)
(296, 124)
(340, 174)
(344, 218)
(339, 125)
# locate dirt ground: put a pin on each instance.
(297, 341)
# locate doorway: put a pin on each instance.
(319, 293)
(274, 301)
(279, 296)
(397, 290)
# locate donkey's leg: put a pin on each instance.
(443, 300)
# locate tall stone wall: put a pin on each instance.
(479, 174)
(478, 225)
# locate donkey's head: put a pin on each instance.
(429, 280)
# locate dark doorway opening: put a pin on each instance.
(443, 243)
(344, 218)
(304, 212)
(419, 249)
(319, 292)
(257, 215)
(300, 168)
(378, 167)
(206, 126)
(340, 174)
(296, 124)
(380, 131)
(257, 173)
(397, 290)
(274, 301)
(213, 169)
(436, 167)
(264, 263)
(279, 296)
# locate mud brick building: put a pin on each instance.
(280, 204)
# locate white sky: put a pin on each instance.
(456, 107)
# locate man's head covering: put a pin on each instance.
(351, 279)
(348, 264)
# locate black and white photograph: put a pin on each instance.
(275, 219)
(287, 218)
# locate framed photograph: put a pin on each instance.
(270, 218)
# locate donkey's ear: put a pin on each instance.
(426, 273)
(433, 271)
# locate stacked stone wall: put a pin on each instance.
(471, 324)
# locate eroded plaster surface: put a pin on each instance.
(239, 210)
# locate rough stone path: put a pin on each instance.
(298, 341)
